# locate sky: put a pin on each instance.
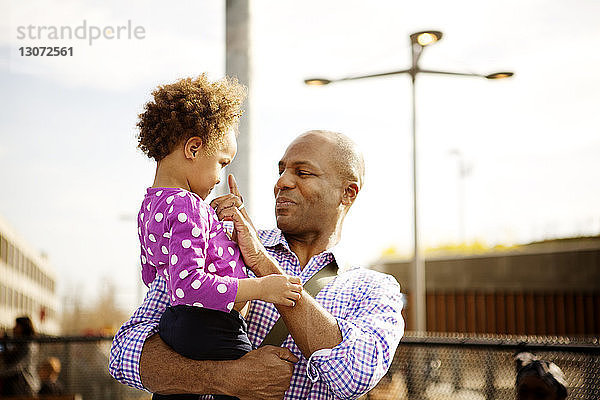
(72, 178)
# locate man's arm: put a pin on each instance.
(139, 358)
(261, 374)
(312, 327)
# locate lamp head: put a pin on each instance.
(425, 38)
(317, 82)
(499, 75)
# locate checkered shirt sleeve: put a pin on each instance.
(127, 344)
(371, 331)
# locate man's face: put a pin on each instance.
(309, 190)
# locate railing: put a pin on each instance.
(424, 367)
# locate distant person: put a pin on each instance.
(19, 361)
(189, 129)
(48, 371)
(539, 379)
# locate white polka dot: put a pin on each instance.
(182, 217)
(143, 259)
(140, 231)
(148, 207)
(200, 262)
(245, 270)
(220, 251)
(170, 199)
(149, 251)
(186, 243)
(167, 275)
(151, 263)
(158, 193)
(174, 259)
(183, 274)
(167, 235)
(141, 216)
(164, 250)
(232, 264)
(181, 194)
(221, 288)
(195, 284)
(230, 250)
(158, 217)
(212, 235)
(170, 209)
(219, 227)
(211, 268)
(152, 238)
(230, 306)
(173, 297)
(179, 292)
(198, 304)
(196, 231)
(165, 272)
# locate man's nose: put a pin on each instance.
(285, 181)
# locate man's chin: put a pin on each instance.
(284, 222)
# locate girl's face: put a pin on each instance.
(206, 169)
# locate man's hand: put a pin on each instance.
(264, 373)
(233, 199)
(227, 208)
(261, 374)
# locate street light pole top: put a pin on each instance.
(317, 81)
(499, 75)
(425, 38)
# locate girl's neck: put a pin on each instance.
(168, 175)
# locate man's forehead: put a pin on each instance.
(307, 152)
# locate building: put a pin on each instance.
(27, 284)
(544, 288)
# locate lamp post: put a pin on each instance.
(418, 41)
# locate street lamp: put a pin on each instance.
(419, 41)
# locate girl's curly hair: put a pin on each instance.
(187, 108)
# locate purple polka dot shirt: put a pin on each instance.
(182, 240)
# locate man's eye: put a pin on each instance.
(304, 173)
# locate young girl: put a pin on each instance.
(190, 130)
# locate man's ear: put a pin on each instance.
(192, 147)
(350, 192)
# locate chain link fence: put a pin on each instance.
(462, 368)
(424, 367)
(83, 367)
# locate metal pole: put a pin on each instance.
(238, 64)
(418, 311)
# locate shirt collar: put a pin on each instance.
(274, 237)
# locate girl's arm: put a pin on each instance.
(192, 282)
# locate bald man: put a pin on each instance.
(341, 342)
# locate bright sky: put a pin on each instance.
(70, 170)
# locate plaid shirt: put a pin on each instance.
(366, 304)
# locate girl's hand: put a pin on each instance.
(283, 290)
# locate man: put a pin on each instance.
(342, 342)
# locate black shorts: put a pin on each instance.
(203, 334)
